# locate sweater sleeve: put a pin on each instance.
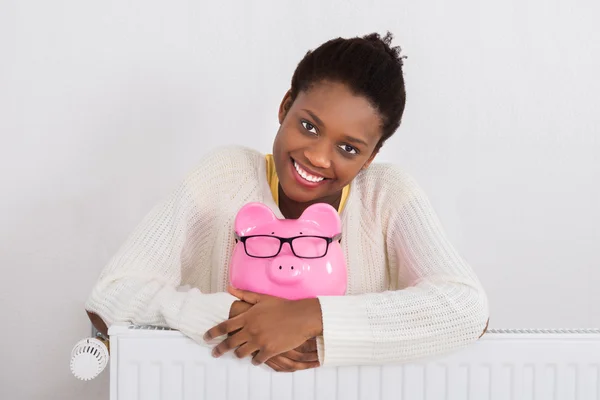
(440, 306)
(142, 283)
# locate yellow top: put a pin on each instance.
(274, 183)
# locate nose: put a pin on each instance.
(286, 270)
(318, 155)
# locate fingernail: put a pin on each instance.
(214, 353)
(206, 337)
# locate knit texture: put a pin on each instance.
(410, 294)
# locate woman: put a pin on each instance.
(410, 294)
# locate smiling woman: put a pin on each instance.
(326, 136)
(409, 293)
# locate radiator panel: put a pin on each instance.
(149, 364)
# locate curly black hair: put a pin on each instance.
(368, 65)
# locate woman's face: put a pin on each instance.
(327, 135)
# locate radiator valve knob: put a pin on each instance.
(89, 357)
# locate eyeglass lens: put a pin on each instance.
(268, 246)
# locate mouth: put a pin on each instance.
(309, 179)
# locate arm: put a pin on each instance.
(441, 306)
(140, 285)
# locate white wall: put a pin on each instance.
(105, 105)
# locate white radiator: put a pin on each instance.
(148, 363)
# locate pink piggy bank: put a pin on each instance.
(288, 258)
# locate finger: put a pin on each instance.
(302, 357)
(261, 356)
(289, 365)
(229, 344)
(245, 350)
(224, 328)
(308, 347)
(233, 333)
(283, 364)
(244, 295)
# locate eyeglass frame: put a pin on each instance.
(288, 240)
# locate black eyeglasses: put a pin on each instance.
(268, 246)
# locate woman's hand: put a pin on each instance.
(302, 357)
(270, 327)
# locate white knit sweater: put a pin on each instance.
(410, 294)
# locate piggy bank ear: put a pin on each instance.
(325, 216)
(252, 215)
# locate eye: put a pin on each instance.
(348, 149)
(309, 127)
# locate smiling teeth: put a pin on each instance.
(306, 175)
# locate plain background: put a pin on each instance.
(106, 105)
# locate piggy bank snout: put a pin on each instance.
(286, 270)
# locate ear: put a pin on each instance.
(371, 158)
(325, 216)
(252, 215)
(286, 104)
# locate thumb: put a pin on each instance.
(244, 295)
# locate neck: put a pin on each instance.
(292, 209)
